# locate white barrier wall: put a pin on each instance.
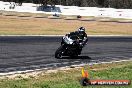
(71, 10)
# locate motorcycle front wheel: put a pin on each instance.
(59, 52)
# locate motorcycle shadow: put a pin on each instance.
(76, 57)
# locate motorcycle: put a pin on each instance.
(70, 46)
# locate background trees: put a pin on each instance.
(83, 3)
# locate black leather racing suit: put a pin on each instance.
(83, 37)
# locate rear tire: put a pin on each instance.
(73, 56)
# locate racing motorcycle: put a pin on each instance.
(70, 46)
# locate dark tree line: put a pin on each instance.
(82, 3)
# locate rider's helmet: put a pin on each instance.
(81, 30)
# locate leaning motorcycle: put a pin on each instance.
(70, 46)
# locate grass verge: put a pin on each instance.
(70, 78)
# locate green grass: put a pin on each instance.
(70, 78)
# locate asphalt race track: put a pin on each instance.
(37, 52)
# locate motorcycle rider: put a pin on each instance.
(81, 35)
(72, 44)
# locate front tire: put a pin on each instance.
(59, 52)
